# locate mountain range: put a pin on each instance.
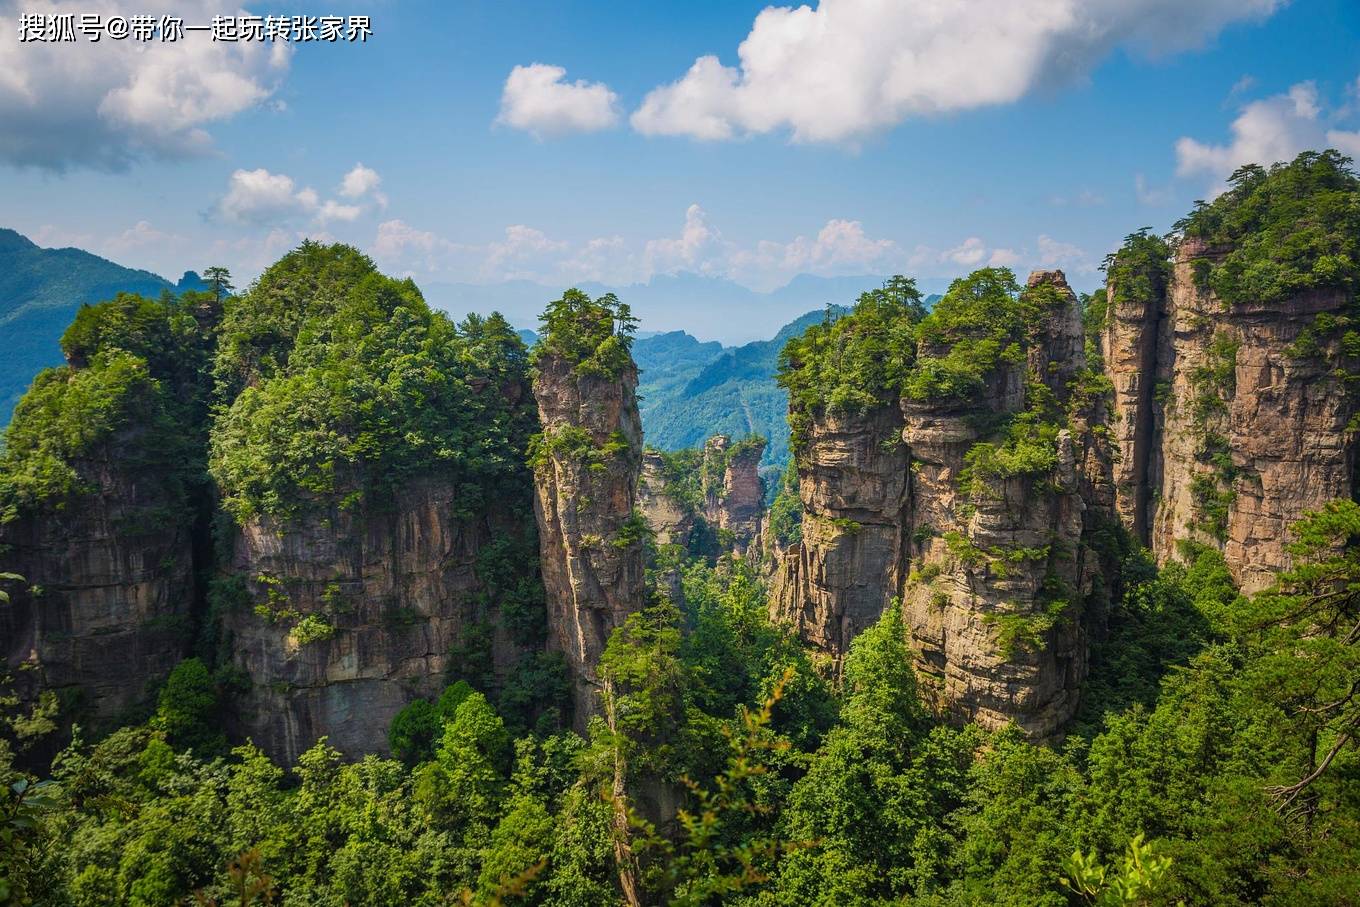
(40, 291)
(704, 306)
(690, 389)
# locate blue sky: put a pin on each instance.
(858, 137)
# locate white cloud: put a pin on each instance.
(331, 210)
(538, 99)
(402, 247)
(840, 248)
(109, 103)
(360, 181)
(1069, 257)
(852, 67)
(699, 247)
(260, 197)
(1266, 131)
(520, 254)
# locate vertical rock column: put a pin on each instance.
(733, 497)
(1130, 339)
(852, 473)
(590, 531)
(994, 600)
(1256, 424)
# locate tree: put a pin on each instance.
(1308, 627)
(219, 284)
(187, 707)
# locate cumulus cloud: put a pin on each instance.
(841, 247)
(852, 67)
(538, 99)
(1069, 257)
(1268, 130)
(259, 198)
(107, 104)
(360, 181)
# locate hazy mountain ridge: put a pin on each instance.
(40, 291)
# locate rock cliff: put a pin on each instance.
(967, 506)
(349, 614)
(106, 607)
(670, 517)
(996, 598)
(852, 473)
(1235, 415)
(734, 498)
(586, 469)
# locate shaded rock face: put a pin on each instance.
(669, 519)
(734, 499)
(399, 585)
(852, 473)
(1240, 433)
(106, 608)
(993, 583)
(586, 504)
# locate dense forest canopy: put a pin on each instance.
(350, 384)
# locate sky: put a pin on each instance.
(612, 143)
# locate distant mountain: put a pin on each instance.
(692, 390)
(712, 307)
(40, 291)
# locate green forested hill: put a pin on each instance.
(40, 292)
(688, 397)
(692, 391)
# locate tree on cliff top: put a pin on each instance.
(1288, 228)
(594, 336)
(852, 363)
(350, 385)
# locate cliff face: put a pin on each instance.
(590, 530)
(1242, 430)
(996, 602)
(351, 614)
(733, 497)
(991, 568)
(709, 500)
(852, 473)
(106, 607)
(670, 520)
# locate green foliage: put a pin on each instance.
(593, 336)
(312, 628)
(1289, 228)
(853, 363)
(1136, 881)
(351, 387)
(980, 322)
(187, 710)
(1137, 272)
(786, 513)
(70, 415)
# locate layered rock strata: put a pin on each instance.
(349, 614)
